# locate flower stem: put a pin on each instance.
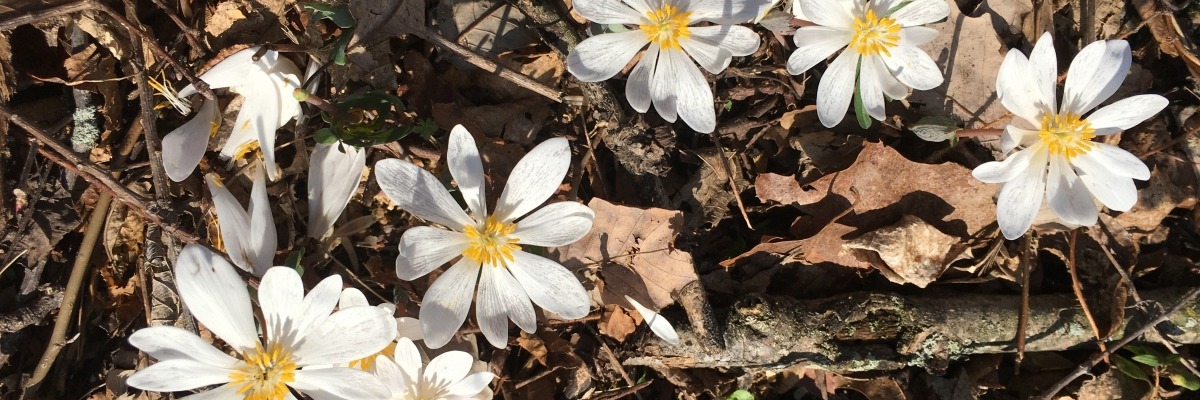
(965, 133)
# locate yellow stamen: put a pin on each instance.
(368, 363)
(1067, 135)
(667, 25)
(244, 149)
(164, 89)
(492, 246)
(265, 373)
(874, 35)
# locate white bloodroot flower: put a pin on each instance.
(299, 331)
(405, 327)
(247, 235)
(666, 75)
(334, 172)
(266, 84)
(881, 56)
(659, 325)
(488, 246)
(448, 376)
(1060, 161)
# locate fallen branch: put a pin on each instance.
(878, 332)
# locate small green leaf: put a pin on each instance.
(1138, 349)
(936, 129)
(325, 136)
(339, 15)
(1148, 359)
(1185, 380)
(740, 394)
(728, 105)
(1129, 368)
(1172, 359)
(293, 261)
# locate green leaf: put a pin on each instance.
(740, 394)
(728, 105)
(860, 110)
(293, 261)
(936, 129)
(339, 15)
(1185, 380)
(325, 136)
(1129, 368)
(1148, 359)
(1138, 349)
(1172, 359)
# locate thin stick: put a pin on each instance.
(488, 65)
(1170, 144)
(1023, 315)
(29, 18)
(475, 24)
(965, 133)
(1087, 366)
(1079, 293)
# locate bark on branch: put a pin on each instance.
(875, 332)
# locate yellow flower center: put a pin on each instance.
(874, 35)
(667, 25)
(368, 363)
(1067, 135)
(491, 246)
(265, 373)
(163, 88)
(244, 149)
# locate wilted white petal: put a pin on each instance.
(333, 175)
(1095, 74)
(462, 157)
(216, 296)
(424, 249)
(534, 179)
(500, 298)
(447, 301)
(815, 44)
(600, 57)
(836, 88)
(549, 285)
(184, 146)
(659, 325)
(416, 190)
(237, 69)
(178, 374)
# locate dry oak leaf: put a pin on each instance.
(910, 251)
(877, 190)
(635, 250)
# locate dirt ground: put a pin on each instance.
(796, 261)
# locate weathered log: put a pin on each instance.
(879, 332)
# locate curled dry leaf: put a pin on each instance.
(911, 251)
(636, 253)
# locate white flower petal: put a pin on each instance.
(550, 285)
(892, 87)
(915, 36)
(1021, 198)
(556, 224)
(695, 98)
(1068, 197)
(1013, 136)
(448, 368)
(608, 12)
(261, 240)
(714, 46)
(279, 293)
(216, 296)
(1114, 191)
(815, 44)
(836, 88)
(1017, 91)
(1095, 74)
(725, 12)
(447, 301)
(1126, 113)
(833, 14)
(391, 376)
(233, 222)
(1043, 64)
(418, 192)
(501, 297)
(1116, 160)
(913, 67)
(345, 336)
(408, 358)
(921, 12)
(333, 175)
(257, 121)
(169, 343)
(471, 385)
(870, 88)
(178, 374)
(663, 84)
(183, 148)
(637, 88)
(409, 328)
(534, 179)
(1004, 171)
(340, 382)
(602, 56)
(316, 306)
(424, 249)
(352, 297)
(224, 392)
(237, 69)
(659, 325)
(462, 157)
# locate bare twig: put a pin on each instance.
(467, 55)
(1087, 366)
(1079, 293)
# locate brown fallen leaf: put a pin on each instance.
(968, 51)
(876, 191)
(636, 253)
(617, 323)
(910, 251)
